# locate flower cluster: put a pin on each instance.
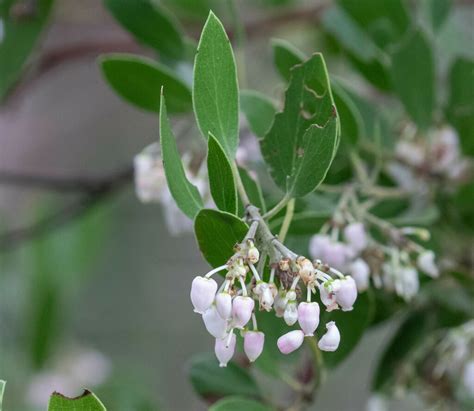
(357, 253)
(231, 306)
(436, 156)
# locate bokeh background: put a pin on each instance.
(103, 297)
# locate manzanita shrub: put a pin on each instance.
(323, 210)
(338, 241)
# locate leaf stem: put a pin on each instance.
(290, 210)
(278, 207)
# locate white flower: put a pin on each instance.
(468, 377)
(336, 254)
(327, 292)
(291, 313)
(330, 340)
(290, 341)
(253, 255)
(308, 317)
(203, 291)
(253, 344)
(407, 283)
(411, 153)
(426, 263)
(280, 303)
(149, 174)
(346, 295)
(356, 236)
(445, 149)
(224, 305)
(242, 310)
(317, 245)
(360, 272)
(215, 324)
(224, 349)
(265, 296)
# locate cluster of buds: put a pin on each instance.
(231, 306)
(419, 158)
(361, 256)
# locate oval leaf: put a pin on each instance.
(185, 194)
(217, 232)
(259, 111)
(221, 177)
(210, 380)
(86, 402)
(413, 77)
(150, 24)
(304, 137)
(238, 404)
(139, 81)
(215, 89)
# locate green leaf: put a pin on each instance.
(22, 28)
(139, 81)
(303, 139)
(210, 380)
(221, 177)
(413, 76)
(86, 402)
(215, 89)
(460, 109)
(351, 325)
(286, 56)
(349, 34)
(150, 24)
(259, 111)
(352, 126)
(185, 194)
(217, 232)
(254, 192)
(2, 391)
(238, 404)
(385, 21)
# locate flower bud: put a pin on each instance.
(242, 310)
(328, 296)
(336, 255)
(253, 344)
(203, 291)
(215, 324)
(306, 269)
(317, 245)
(224, 305)
(290, 341)
(224, 352)
(360, 272)
(356, 236)
(407, 283)
(426, 263)
(346, 295)
(291, 313)
(253, 255)
(266, 298)
(280, 303)
(330, 340)
(308, 317)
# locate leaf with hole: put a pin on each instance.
(303, 139)
(86, 402)
(285, 57)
